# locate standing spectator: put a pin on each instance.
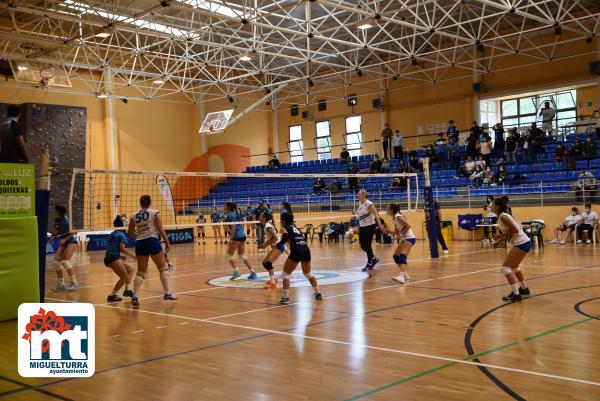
(438, 226)
(441, 148)
(499, 140)
(477, 177)
(452, 131)
(472, 145)
(527, 146)
(274, 163)
(596, 116)
(344, 156)
(260, 229)
(586, 185)
(559, 156)
(547, 113)
(589, 148)
(510, 150)
(397, 143)
(590, 219)
(386, 137)
(469, 166)
(485, 151)
(12, 138)
(376, 165)
(537, 133)
(352, 181)
(454, 156)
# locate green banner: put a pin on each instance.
(17, 190)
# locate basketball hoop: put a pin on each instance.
(46, 74)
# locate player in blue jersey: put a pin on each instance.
(237, 241)
(115, 259)
(215, 217)
(66, 248)
(299, 253)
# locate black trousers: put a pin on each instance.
(582, 227)
(386, 144)
(365, 237)
(398, 152)
(441, 237)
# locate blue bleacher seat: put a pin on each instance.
(582, 164)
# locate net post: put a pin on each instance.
(430, 213)
(408, 202)
(91, 201)
(70, 199)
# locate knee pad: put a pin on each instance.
(268, 265)
(231, 258)
(400, 259)
(66, 265)
(285, 275)
(243, 258)
(57, 266)
(506, 271)
(308, 276)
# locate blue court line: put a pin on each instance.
(290, 329)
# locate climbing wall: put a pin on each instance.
(62, 129)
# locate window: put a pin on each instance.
(295, 145)
(488, 113)
(523, 111)
(323, 140)
(353, 135)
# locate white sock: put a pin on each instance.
(127, 287)
(515, 288)
(73, 279)
(61, 280)
(286, 293)
(164, 279)
(272, 277)
(113, 293)
(523, 284)
(137, 283)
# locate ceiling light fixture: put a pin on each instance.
(366, 23)
(102, 35)
(159, 82)
(101, 95)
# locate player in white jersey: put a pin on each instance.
(407, 239)
(272, 239)
(368, 219)
(511, 231)
(146, 227)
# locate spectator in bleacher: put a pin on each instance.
(488, 177)
(385, 166)
(547, 113)
(431, 154)
(567, 227)
(397, 143)
(586, 184)
(386, 138)
(375, 166)
(319, 185)
(502, 176)
(469, 166)
(472, 145)
(590, 219)
(536, 132)
(334, 185)
(576, 150)
(441, 148)
(475, 129)
(352, 181)
(413, 162)
(510, 150)
(477, 177)
(561, 152)
(403, 167)
(454, 156)
(274, 163)
(396, 184)
(479, 162)
(452, 131)
(485, 151)
(344, 156)
(596, 116)
(589, 148)
(499, 140)
(440, 140)
(527, 146)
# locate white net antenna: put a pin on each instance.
(216, 122)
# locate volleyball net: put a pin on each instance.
(98, 196)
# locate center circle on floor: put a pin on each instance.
(324, 277)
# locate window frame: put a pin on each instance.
(354, 147)
(323, 151)
(296, 152)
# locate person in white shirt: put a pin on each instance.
(586, 184)
(397, 143)
(567, 227)
(590, 219)
(368, 220)
(407, 238)
(547, 113)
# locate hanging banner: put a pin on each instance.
(17, 190)
(165, 190)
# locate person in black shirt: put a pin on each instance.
(352, 181)
(319, 185)
(12, 138)
(498, 140)
(274, 163)
(299, 253)
(376, 165)
(344, 156)
(452, 131)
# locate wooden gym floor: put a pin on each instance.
(445, 336)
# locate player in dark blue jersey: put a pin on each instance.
(66, 248)
(115, 259)
(299, 253)
(237, 241)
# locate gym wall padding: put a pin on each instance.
(19, 265)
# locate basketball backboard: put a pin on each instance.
(215, 122)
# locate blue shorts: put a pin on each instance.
(411, 240)
(526, 247)
(147, 247)
(72, 240)
(280, 248)
(241, 239)
(110, 258)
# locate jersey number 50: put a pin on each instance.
(139, 217)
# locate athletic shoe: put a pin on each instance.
(400, 278)
(562, 242)
(235, 275)
(60, 287)
(114, 298)
(579, 241)
(554, 241)
(406, 275)
(512, 297)
(524, 292)
(284, 301)
(74, 285)
(446, 252)
(169, 297)
(128, 293)
(252, 276)
(135, 302)
(588, 241)
(318, 296)
(367, 268)
(374, 261)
